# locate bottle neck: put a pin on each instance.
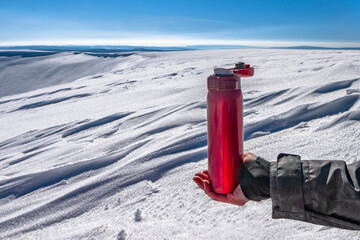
(224, 83)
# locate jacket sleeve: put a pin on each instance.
(316, 191)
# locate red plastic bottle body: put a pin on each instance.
(225, 132)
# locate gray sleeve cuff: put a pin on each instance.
(286, 187)
(301, 190)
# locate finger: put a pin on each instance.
(206, 172)
(199, 182)
(213, 195)
(203, 176)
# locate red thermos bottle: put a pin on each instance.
(225, 126)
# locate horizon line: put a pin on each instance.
(128, 48)
(177, 42)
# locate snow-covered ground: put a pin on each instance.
(106, 148)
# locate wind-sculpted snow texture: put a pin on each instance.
(97, 146)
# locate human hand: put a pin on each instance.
(237, 197)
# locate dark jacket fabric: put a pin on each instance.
(316, 191)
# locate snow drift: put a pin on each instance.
(105, 147)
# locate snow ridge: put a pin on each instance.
(105, 146)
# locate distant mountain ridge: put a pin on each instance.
(129, 48)
(317, 48)
(95, 48)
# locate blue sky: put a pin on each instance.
(251, 22)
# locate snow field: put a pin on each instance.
(108, 150)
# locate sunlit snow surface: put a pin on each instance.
(108, 149)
